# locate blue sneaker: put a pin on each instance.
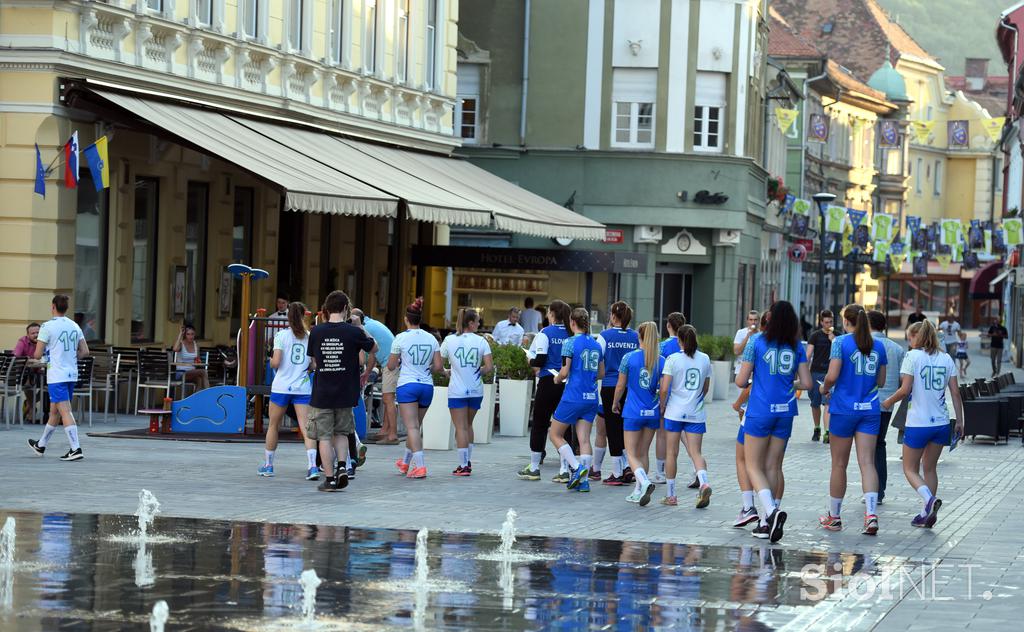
(266, 470)
(575, 476)
(313, 474)
(584, 485)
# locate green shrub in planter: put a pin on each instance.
(717, 347)
(511, 362)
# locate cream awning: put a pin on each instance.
(309, 185)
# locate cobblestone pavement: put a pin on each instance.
(982, 486)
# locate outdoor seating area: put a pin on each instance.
(993, 408)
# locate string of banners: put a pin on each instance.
(945, 241)
(958, 132)
(95, 157)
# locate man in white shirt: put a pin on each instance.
(949, 329)
(739, 341)
(509, 331)
(61, 344)
(530, 318)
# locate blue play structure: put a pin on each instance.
(219, 409)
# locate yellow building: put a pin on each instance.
(306, 137)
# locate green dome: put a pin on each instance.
(887, 80)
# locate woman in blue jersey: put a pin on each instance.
(684, 385)
(416, 355)
(641, 415)
(926, 373)
(291, 385)
(748, 513)
(856, 368)
(546, 358)
(616, 342)
(581, 370)
(773, 360)
(673, 323)
(469, 357)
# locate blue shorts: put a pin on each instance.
(844, 426)
(768, 426)
(359, 417)
(571, 412)
(415, 392)
(814, 394)
(697, 427)
(636, 424)
(740, 435)
(917, 437)
(60, 392)
(283, 399)
(465, 402)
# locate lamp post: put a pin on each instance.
(822, 200)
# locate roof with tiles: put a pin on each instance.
(784, 42)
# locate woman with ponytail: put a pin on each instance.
(291, 385)
(469, 357)
(616, 342)
(641, 416)
(684, 385)
(416, 355)
(856, 368)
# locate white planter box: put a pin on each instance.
(438, 430)
(721, 375)
(483, 423)
(514, 396)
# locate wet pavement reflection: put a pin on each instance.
(73, 572)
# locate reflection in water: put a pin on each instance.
(216, 574)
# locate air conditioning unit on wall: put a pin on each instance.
(726, 237)
(647, 234)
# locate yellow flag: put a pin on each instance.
(944, 260)
(896, 260)
(994, 127)
(785, 118)
(922, 131)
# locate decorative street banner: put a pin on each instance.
(881, 227)
(881, 252)
(921, 267)
(959, 133)
(949, 233)
(784, 118)
(998, 241)
(787, 204)
(970, 260)
(994, 127)
(976, 236)
(835, 219)
(922, 131)
(818, 131)
(801, 217)
(931, 237)
(896, 256)
(861, 232)
(1012, 227)
(944, 260)
(888, 133)
(988, 240)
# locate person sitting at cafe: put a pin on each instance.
(509, 331)
(26, 348)
(187, 360)
(26, 345)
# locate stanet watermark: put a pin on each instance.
(928, 581)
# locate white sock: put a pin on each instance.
(568, 456)
(927, 495)
(641, 477)
(767, 504)
(311, 457)
(469, 453)
(748, 499)
(587, 460)
(660, 464)
(835, 505)
(778, 503)
(48, 431)
(535, 460)
(617, 466)
(463, 457)
(636, 486)
(417, 459)
(359, 443)
(599, 458)
(702, 476)
(408, 455)
(623, 461)
(671, 487)
(871, 503)
(269, 457)
(72, 433)
(562, 467)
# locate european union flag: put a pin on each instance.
(40, 174)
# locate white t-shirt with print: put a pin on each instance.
(950, 332)
(416, 349)
(61, 336)
(931, 375)
(292, 376)
(686, 397)
(465, 354)
(738, 339)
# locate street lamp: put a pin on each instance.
(822, 200)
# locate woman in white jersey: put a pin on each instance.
(469, 357)
(926, 373)
(416, 355)
(291, 385)
(684, 385)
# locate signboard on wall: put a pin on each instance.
(614, 236)
(530, 259)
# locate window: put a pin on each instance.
(634, 91)
(338, 30)
(196, 212)
(144, 283)
(920, 174)
(402, 61)
(296, 14)
(241, 246)
(430, 56)
(204, 12)
(937, 189)
(467, 104)
(155, 5)
(250, 17)
(370, 37)
(997, 173)
(91, 258)
(709, 112)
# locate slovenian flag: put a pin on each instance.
(96, 158)
(71, 161)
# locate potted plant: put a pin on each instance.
(438, 429)
(515, 389)
(483, 423)
(719, 349)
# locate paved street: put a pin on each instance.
(982, 486)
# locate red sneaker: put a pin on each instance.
(462, 471)
(417, 472)
(870, 525)
(830, 523)
(402, 466)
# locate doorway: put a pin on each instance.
(673, 289)
(289, 255)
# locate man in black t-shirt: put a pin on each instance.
(997, 333)
(819, 349)
(916, 317)
(334, 349)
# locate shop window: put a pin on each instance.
(370, 37)
(241, 246)
(250, 18)
(402, 54)
(196, 214)
(90, 259)
(147, 191)
(634, 91)
(709, 112)
(467, 104)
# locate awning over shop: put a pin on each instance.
(986, 275)
(309, 184)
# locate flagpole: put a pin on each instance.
(60, 154)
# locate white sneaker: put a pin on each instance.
(634, 497)
(658, 478)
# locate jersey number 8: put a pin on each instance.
(298, 354)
